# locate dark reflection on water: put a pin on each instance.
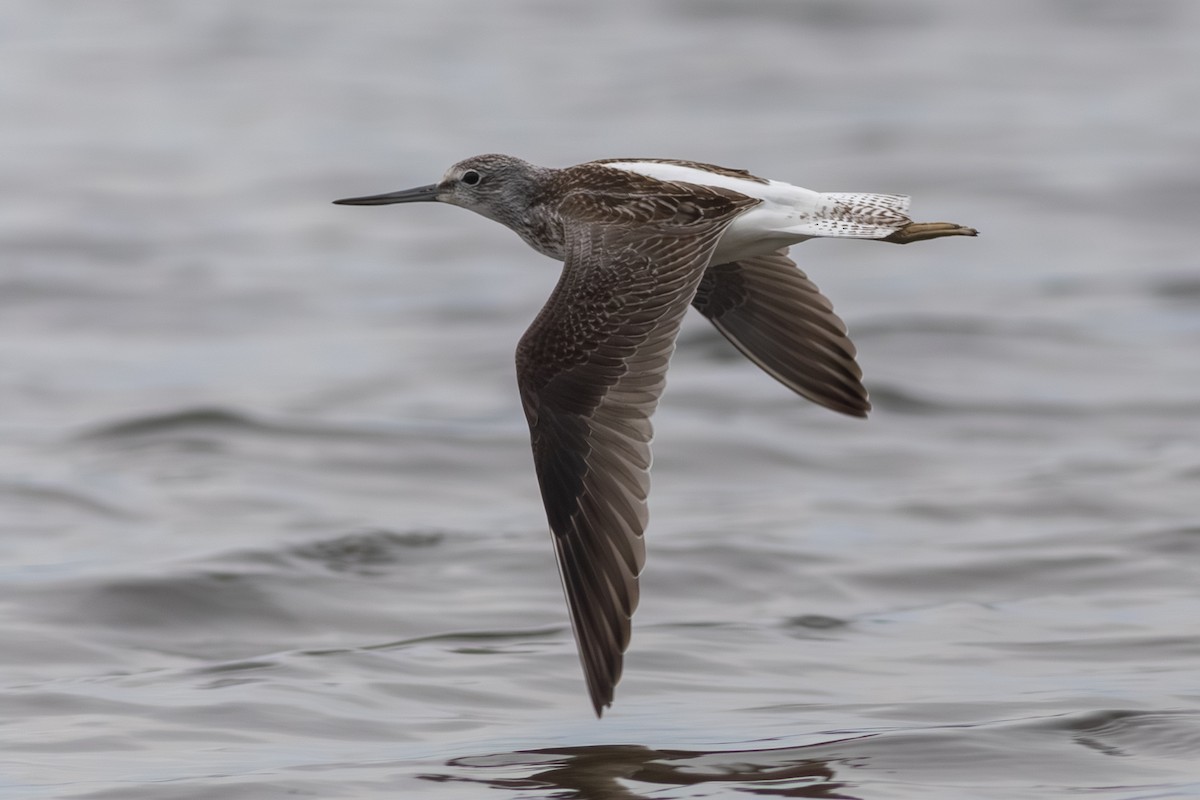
(606, 772)
(1090, 752)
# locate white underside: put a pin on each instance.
(788, 214)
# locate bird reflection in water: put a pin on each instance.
(614, 772)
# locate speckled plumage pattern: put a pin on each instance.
(591, 369)
(640, 241)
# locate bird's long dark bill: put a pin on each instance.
(421, 194)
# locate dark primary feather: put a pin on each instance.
(776, 316)
(591, 369)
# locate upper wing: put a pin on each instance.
(778, 318)
(591, 369)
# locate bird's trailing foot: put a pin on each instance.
(920, 231)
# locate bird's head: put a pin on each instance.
(497, 186)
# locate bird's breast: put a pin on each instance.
(545, 233)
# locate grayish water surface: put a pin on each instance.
(269, 523)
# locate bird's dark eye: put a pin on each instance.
(470, 177)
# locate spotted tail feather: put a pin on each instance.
(858, 215)
(875, 216)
